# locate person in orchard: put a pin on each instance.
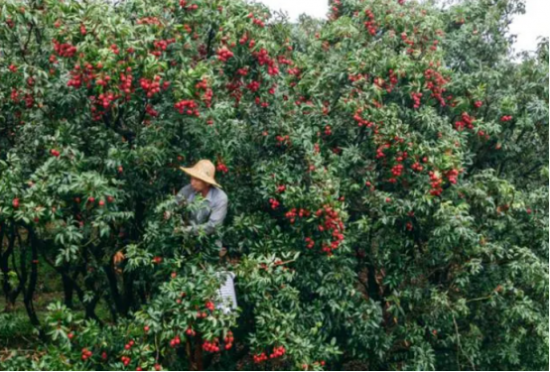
(210, 216)
(212, 212)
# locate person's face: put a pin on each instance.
(198, 185)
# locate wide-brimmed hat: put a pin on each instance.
(204, 170)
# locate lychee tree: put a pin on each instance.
(385, 169)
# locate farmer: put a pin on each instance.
(212, 212)
(213, 209)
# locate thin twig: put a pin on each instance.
(460, 345)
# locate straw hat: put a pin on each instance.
(204, 170)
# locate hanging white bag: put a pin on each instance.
(227, 292)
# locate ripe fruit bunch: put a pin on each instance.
(333, 224)
(188, 107)
(260, 358)
(278, 351)
(86, 354)
(211, 346)
(175, 341)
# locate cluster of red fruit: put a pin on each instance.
(211, 347)
(114, 48)
(396, 171)
(243, 39)
(253, 86)
(201, 315)
(322, 362)
(221, 167)
(393, 81)
(310, 243)
(208, 93)
(283, 140)
(175, 341)
(278, 351)
(436, 182)
(380, 150)
(264, 59)
(416, 98)
(151, 87)
(256, 21)
(13, 68)
(129, 345)
(406, 39)
(452, 176)
(161, 45)
(188, 107)
(335, 9)
(281, 188)
(291, 215)
(478, 104)
(283, 60)
(149, 21)
(87, 75)
(229, 340)
(294, 71)
(466, 122)
(274, 203)
(105, 99)
(86, 354)
(183, 4)
(151, 111)
(64, 49)
(55, 153)
(210, 305)
(243, 71)
(370, 24)
(14, 95)
(328, 130)
(382, 84)
(125, 360)
(332, 223)
(417, 167)
(260, 103)
(360, 121)
(102, 81)
(506, 118)
(29, 100)
(436, 82)
(303, 100)
(260, 358)
(224, 54)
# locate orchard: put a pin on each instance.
(386, 170)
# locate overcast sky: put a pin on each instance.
(527, 27)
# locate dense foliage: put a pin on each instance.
(386, 169)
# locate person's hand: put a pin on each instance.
(182, 230)
(118, 257)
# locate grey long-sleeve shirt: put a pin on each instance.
(210, 214)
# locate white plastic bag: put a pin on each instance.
(227, 292)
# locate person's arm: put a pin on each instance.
(183, 194)
(219, 211)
